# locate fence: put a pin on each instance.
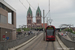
(13, 43)
(69, 44)
(69, 34)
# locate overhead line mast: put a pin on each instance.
(50, 20)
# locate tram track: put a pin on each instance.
(47, 45)
(53, 45)
(37, 42)
(50, 45)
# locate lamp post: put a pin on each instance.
(43, 26)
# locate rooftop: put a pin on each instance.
(9, 8)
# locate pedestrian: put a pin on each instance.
(24, 33)
(29, 33)
(62, 34)
(66, 33)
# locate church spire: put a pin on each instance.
(29, 11)
(38, 12)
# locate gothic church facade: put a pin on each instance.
(30, 18)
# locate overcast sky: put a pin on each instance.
(61, 11)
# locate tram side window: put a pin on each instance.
(50, 32)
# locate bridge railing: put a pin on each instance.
(68, 43)
(13, 43)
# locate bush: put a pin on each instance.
(18, 30)
(74, 32)
(69, 30)
(26, 29)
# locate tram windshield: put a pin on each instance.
(50, 32)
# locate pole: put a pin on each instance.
(47, 20)
(43, 26)
(43, 20)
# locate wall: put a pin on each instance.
(69, 44)
(5, 26)
(13, 43)
(0, 34)
(7, 33)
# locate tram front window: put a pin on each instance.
(50, 31)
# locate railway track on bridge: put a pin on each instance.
(50, 43)
(39, 44)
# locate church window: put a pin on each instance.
(37, 14)
(29, 14)
(29, 21)
(38, 21)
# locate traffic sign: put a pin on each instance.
(7, 38)
(3, 36)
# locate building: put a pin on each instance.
(29, 18)
(7, 31)
(30, 22)
(44, 25)
(38, 17)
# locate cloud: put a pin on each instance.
(60, 4)
(61, 11)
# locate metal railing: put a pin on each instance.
(69, 44)
(13, 43)
(69, 34)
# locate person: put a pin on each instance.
(62, 34)
(66, 32)
(24, 33)
(29, 33)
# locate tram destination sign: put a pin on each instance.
(49, 28)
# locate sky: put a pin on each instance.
(61, 11)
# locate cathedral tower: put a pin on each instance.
(29, 18)
(38, 17)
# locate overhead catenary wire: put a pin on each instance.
(49, 9)
(30, 4)
(22, 4)
(47, 13)
(50, 20)
(49, 5)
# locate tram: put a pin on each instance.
(50, 33)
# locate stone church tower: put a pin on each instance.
(29, 18)
(38, 17)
